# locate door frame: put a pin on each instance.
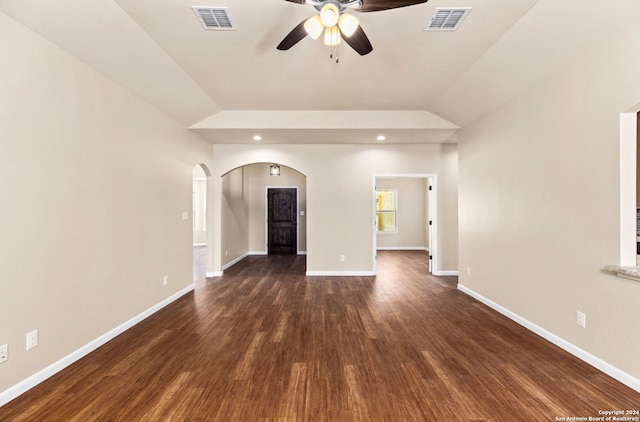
(266, 215)
(432, 207)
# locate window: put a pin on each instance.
(386, 210)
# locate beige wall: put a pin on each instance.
(340, 196)
(539, 204)
(447, 214)
(235, 208)
(411, 214)
(93, 184)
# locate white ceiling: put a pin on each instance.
(415, 87)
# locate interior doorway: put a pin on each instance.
(416, 213)
(242, 228)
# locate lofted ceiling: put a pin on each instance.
(415, 87)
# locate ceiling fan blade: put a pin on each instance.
(358, 41)
(297, 1)
(377, 5)
(293, 37)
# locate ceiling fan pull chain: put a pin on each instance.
(331, 54)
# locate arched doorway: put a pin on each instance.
(244, 210)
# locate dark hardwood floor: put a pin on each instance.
(266, 343)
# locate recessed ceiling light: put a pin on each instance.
(257, 138)
(381, 138)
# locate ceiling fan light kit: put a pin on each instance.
(332, 23)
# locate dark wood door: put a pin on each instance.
(282, 221)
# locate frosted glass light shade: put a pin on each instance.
(314, 27)
(332, 36)
(329, 14)
(348, 24)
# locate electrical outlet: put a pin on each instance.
(342, 259)
(469, 271)
(581, 319)
(32, 339)
(165, 280)
(4, 353)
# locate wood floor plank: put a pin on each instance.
(266, 343)
(294, 405)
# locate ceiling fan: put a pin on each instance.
(336, 25)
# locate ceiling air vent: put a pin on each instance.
(447, 19)
(217, 18)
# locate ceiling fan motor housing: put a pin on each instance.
(340, 4)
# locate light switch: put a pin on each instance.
(185, 215)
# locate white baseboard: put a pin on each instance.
(402, 248)
(445, 273)
(35, 379)
(214, 274)
(581, 354)
(340, 273)
(235, 261)
(259, 253)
